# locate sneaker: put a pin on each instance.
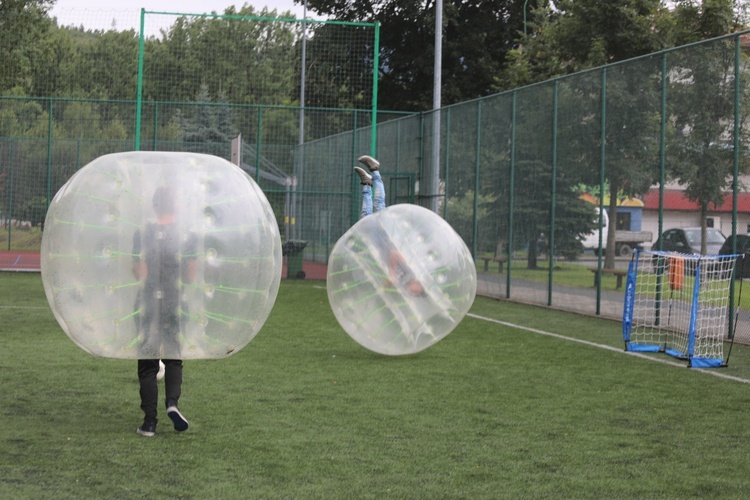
(364, 178)
(180, 423)
(147, 429)
(371, 162)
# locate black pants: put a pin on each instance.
(147, 370)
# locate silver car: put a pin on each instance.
(688, 240)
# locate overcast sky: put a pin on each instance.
(95, 14)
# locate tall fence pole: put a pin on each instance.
(49, 151)
(477, 163)
(375, 75)
(511, 193)
(436, 105)
(602, 167)
(736, 172)
(551, 236)
(447, 159)
(139, 91)
(9, 217)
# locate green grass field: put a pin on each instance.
(492, 411)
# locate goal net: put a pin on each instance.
(679, 304)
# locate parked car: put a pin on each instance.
(742, 268)
(688, 240)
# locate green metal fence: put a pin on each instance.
(518, 170)
(517, 175)
(69, 133)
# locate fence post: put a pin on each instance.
(511, 192)
(49, 152)
(477, 147)
(551, 236)
(447, 159)
(10, 195)
(602, 164)
(156, 125)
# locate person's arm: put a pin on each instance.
(398, 274)
(189, 260)
(139, 269)
(192, 266)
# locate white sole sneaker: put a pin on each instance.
(142, 432)
(364, 178)
(180, 422)
(371, 162)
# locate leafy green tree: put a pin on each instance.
(248, 60)
(694, 20)
(213, 60)
(18, 116)
(24, 25)
(107, 68)
(463, 214)
(581, 34)
(476, 37)
(700, 153)
(201, 129)
(34, 210)
(54, 74)
(338, 66)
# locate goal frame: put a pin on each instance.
(678, 304)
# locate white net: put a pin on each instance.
(679, 304)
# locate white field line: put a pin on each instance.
(710, 371)
(23, 307)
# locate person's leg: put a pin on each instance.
(173, 389)
(172, 381)
(147, 370)
(366, 201)
(365, 180)
(378, 189)
(371, 163)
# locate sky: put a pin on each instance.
(92, 14)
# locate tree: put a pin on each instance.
(107, 68)
(34, 210)
(24, 25)
(700, 154)
(700, 149)
(54, 73)
(249, 61)
(203, 127)
(339, 66)
(694, 20)
(581, 34)
(462, 213)
(477, 35)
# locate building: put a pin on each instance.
(679, 211)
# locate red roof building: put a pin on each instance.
(678, 211)
(676, 200)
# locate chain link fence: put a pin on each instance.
(658, 142)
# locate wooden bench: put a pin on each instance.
(500, 261)
(618, 273)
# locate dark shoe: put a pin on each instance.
(148, 429)
(364, 178)
(371, 162)
(180, 423)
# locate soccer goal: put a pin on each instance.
(679, 304)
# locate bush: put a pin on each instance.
(34, 210)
